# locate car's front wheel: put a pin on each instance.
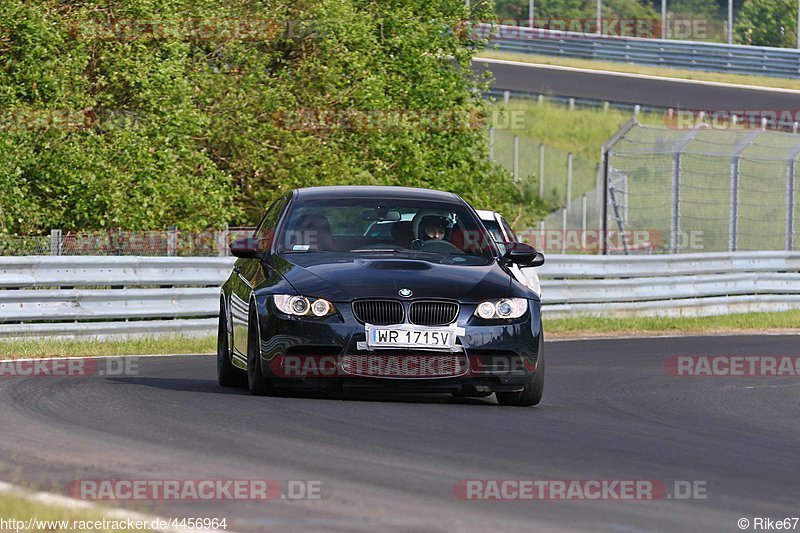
(532, 393)
(256, 382)
(227, 374)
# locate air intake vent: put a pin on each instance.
(433, 313)
(378, 312)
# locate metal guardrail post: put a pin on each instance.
(563, 230)
(55, 242)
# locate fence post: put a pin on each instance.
(563, 230)
(675, 219)
(604, 207)
(602, 181)
(491, 143)
(542, 236)
(55, 242)
(790, 204)
(569, 180)
(172, 241)
(516, 159)
(733, 225)
(583, 222)
(541, 170)
(675, 215)
(222, 241)
(506, 97)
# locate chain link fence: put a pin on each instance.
(170, 242)
(559, 178)
(704, 190)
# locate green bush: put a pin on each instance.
(199, 130)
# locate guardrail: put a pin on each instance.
(115, 296)
(99, 296)
(714, 57)
(670, 285)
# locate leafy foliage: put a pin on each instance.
(768, 23)
(200, 128)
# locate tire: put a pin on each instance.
(257, 384)
(227, 374)
(532, 393)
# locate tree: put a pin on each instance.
(199, 128)
(768, 23)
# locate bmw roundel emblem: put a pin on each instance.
(405, 293)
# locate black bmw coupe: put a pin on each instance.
(378, 288)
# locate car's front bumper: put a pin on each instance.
(317, 353)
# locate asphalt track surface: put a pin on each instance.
(626, 89)
(610, 411)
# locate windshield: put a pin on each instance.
(369, 226)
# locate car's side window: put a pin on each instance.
(266, 230)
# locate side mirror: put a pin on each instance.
(523, 254)
(250, 247)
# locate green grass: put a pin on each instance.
(18, 507)
(580, 131)
(737, 79)
(43, 347)
(746, 322)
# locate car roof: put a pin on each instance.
(364, 191)
(486, 215)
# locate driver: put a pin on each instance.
(434, 231)
(434, 228)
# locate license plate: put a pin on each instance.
(409, 336)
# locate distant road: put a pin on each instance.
(634, 89)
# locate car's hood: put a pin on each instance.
(344, 278)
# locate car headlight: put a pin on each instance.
(502, 309)
(303, 306)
